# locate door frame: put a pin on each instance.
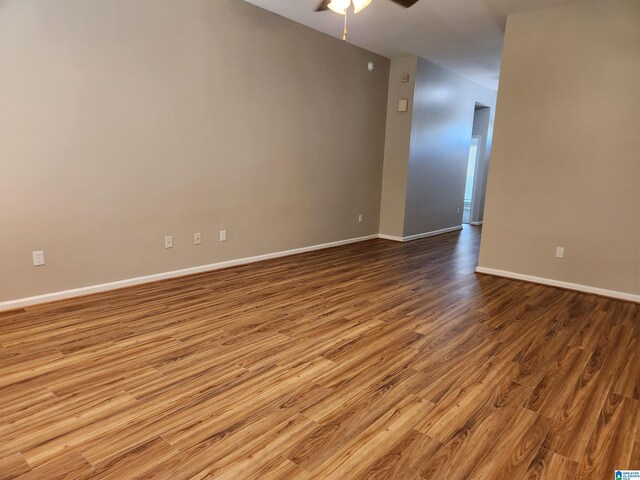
(478, 139)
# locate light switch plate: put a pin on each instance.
(38, 258)
(403, 105)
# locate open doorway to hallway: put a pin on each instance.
(471, 175)
(476, 181)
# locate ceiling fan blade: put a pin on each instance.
(323, 6)
(405, 3)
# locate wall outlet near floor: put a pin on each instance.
(360, 218)
(197, 238)
(559, 252)
(223, 235)
(168, 241)
(38, 258)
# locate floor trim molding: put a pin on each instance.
(393, 238)
(630, 297)
(104, 287)
(476, 223)
(419, 235)
(432, 233)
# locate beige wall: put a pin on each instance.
(396, 146)
(122, 122)
(565, 167)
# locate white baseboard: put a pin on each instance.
(476, 223)
(419, 235)
(390, 237)
(558, 283)
(103, 287)
(431, 234)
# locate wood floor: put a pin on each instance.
(375, 360)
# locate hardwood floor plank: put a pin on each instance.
(470, 406)
(218, 453)
(522, 440)
(160, 416)
(572, 430)
(592, 329)
(404, 460)
(611, 444)
(40, 437)
(635, 455)
(366, 448)
(386, 371)
(346, 421)
(226, 416)
(18, 401)
(279, 469)
(136, 462)
(466, 448)
(13, 466)
(627, 381)
(540, 356)
(457, 372)
(257, 457)
(552, 391)
(371, 360)
(68, 465)
(547, 465)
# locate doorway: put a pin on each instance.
(477, 165)
(471, 179)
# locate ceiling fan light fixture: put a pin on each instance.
(339, 6)
(359, 5)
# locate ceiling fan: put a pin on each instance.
(342, 6)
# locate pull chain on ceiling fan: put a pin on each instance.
(342, 6)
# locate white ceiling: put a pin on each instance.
(462, 35)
